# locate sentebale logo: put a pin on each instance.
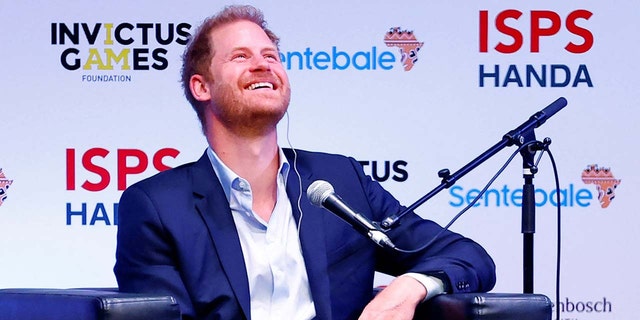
(407, 43)
(4, 186)
(374, 58)
(604, 181)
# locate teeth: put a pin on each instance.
(260, 85)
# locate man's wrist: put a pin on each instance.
(433, 285)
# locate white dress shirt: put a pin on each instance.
(278, 282)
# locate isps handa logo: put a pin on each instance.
(565, 35)
(604, 181)
(4, 187)
(122, 47)
(372, 58)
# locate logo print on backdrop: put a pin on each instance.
(106, 47)
(408, 44)
(4, 186)
(605, 182)
(529, 33)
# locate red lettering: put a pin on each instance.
(161, 154)
(103, 173)
(129, 162)
(124, 170)
(537, 31)
(581, 32)
(484, 30)
(71, 169)
(542, 23)
(504, 29)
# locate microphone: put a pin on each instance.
(517, 135)
(321, 194)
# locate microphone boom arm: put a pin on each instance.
(516, 136)
(448, 180)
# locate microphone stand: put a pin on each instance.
(529, 169)
(522, 135)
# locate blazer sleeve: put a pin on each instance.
(462, 264)
(145, 260)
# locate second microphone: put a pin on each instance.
(321, 194)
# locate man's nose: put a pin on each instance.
(260, 63)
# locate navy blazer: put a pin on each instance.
(176, 236)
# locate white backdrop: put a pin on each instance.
(474, 80)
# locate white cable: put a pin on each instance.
(295, 169)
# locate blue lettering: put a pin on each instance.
(553, 195)
(472, 194)
(583, 194)
(338, 59)
(99, 214)
(539, 193)
(340, 54)
(495, 75)
(516, 197)
(321, 57)
(582, 76)
(505, 193)
(386, 60)
(488, 195)
(452, 192)
(289, 58)
(540, 78)
(560, 76)
(307, 57)
(82, 213)
(115, 213)
(367, 60)
(512, 76)
(554, 75)
(505, 197)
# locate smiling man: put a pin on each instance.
(229, 235)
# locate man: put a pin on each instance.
(230, 236)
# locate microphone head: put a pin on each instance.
(554, 107)
(319, 191)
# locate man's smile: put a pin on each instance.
(260, 85)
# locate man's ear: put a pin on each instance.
(199, 88)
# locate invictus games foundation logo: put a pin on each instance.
(407, 43)
(116, 47)
(4, 186)
(605, 182)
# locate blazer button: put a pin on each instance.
(463, 286)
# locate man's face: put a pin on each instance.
(249, 86)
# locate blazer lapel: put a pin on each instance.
(213, 206)
(311, 238)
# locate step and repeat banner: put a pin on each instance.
(91, 103)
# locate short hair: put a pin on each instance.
(199, 51)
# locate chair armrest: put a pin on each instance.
(89, 304)
(486, 306)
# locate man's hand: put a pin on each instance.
(397, 301)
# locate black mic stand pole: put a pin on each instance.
(519, 136)
(529, 169)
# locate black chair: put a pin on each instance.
(486, 306)
(85, 304)
(109, 304)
